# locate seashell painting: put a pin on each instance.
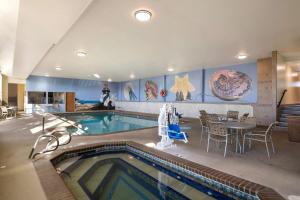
(229, 85)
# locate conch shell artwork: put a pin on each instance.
(229, 85)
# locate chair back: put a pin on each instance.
(250, 120)
(218, 128)
(202, 112)
(213, 117)
(3, 110)
(174, 128)
(233, 115)
(271, 128)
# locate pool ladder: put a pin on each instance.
(51, 138)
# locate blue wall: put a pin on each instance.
(197, 83)
(89, 90)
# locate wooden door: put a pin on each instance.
(70, 101)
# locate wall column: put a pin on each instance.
(265, 108)
(21, 96)
(4, 88)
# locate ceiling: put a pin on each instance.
(184, 35)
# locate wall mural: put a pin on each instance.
(235, 83)
(182, 88)
(185, 86)
(151, 90)
(229, 85)
(129, 92)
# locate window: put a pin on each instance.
(56, 97)
(36, 97)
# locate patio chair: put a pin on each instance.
(175, 133)
(204, 126)
(213, 117)
(232, 115)
(250, 120)
(261, 136)
(244, 117)
(202, 112)
(3, 112)
(219, 133)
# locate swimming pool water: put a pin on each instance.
(107, 122)
(126, 176)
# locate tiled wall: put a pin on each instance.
(265, 108)
(188, 109)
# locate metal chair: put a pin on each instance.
(232, 115)
(3, 112)
(219, 133)
(261, 136)
(204, 126)
(213, 117)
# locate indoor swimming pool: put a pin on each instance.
(98, 123)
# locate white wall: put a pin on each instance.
(188, 109)
(0, 87)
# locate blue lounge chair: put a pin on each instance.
(175, 133)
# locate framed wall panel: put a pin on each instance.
(231, 84)
(184, 87)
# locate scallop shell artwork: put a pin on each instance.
(229, 85)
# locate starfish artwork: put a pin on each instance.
(182, 88)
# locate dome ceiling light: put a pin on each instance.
(81, 54)
(143, 15)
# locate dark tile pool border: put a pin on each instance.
(55, 188)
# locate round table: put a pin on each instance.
(239, 127)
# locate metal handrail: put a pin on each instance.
(283, 93)
(69, 140)
(44, 150)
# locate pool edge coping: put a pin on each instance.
(55, 188)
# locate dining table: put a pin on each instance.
(239, 128)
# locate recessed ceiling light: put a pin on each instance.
(109, 80)
(241, 56)
(281, 67)
(97, 75)
(81, 54)
(294, 74)
(170, 69)
(58, 68)
(132, 76)
(142, 15)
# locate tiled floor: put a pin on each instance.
(18, 178)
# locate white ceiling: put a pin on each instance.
(186, 35)
(8, 27)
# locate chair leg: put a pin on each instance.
(207, 143)
(244, 138)
(236, 142)
(201, 135)
(272, 144)
(225, 151)
(267, 148)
